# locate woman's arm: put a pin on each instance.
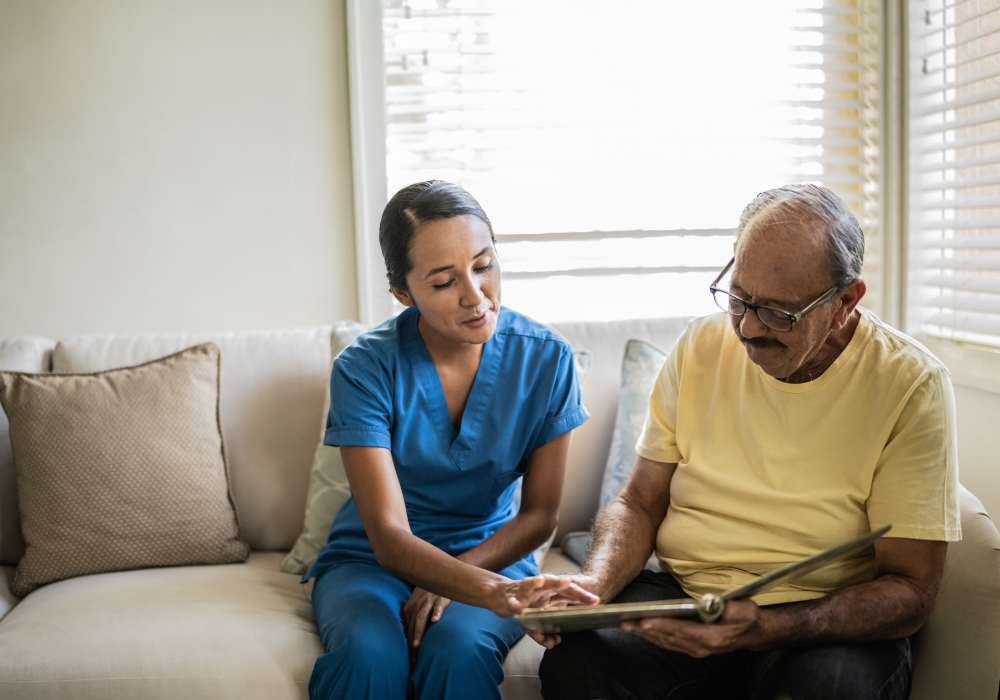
(538, 515)
(376, 491)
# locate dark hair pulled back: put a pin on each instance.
(409, 208)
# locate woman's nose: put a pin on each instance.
(472, 293)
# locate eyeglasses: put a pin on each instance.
(775, 319)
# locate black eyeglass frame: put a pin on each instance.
(793, 317)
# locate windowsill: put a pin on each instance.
(970, 365)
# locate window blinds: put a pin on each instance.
(953, 289)
(615, 144)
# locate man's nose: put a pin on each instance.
(750, 325)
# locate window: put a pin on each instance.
(953, 289)
(614, 144)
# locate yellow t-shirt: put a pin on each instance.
(769, 472)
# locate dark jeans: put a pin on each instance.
(611, 664)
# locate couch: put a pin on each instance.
(246, 630)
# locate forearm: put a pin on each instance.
(623, 540)
(887, 608)
(519, 536)
(422, 564)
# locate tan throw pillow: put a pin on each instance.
(122, 469)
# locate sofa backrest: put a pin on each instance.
(273, 388)
(20, 354)
(605, 343)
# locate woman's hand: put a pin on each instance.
(421, 609)
(582, 581)
(507, 598)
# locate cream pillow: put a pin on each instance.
(122, 469)
(328, 487)
(641, 364)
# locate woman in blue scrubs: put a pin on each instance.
(441, 414)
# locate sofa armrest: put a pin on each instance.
(955, 654)
(7, 599)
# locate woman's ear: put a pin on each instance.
(402, 296)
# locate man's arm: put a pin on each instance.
(895, 604)
(625, 532)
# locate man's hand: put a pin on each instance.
(738, 628)
(586, 583)
(422, 608)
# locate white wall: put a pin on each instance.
(978, 441)
(179, 165)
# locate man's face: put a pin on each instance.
(784, 267)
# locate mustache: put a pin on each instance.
(760, 343)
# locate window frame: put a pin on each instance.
(367, 102)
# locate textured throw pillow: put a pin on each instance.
(640, 365)
(121, 469)
(328, 487)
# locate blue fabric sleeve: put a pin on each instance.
(566, 410)
(360, 403)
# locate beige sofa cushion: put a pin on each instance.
(273, 385)
(199, 633)
(21, 354)
(121, 469)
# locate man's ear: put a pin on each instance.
(850, 297)
(402, 296)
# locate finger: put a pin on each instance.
(515, 605)
(692, 639)
(548, 641)
(576, 593)
(438, 609)
(419, 617)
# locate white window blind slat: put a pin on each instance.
(935, 32)
(930, 286)
(938, 106)
(965, 326)
(964, 302)
(598, 155)
(990, 242)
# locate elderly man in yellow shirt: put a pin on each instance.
(793, 422)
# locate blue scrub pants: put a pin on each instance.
(358, 608)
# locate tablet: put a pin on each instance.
(587, 617)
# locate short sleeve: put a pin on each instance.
(565, 408)
(360, 402)
(658, 440)
(915, 486)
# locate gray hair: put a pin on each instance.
(845, 239)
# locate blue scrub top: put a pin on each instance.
(458, 485)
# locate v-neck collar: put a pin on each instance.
(461, 441)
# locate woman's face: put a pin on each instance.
(455, 279)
